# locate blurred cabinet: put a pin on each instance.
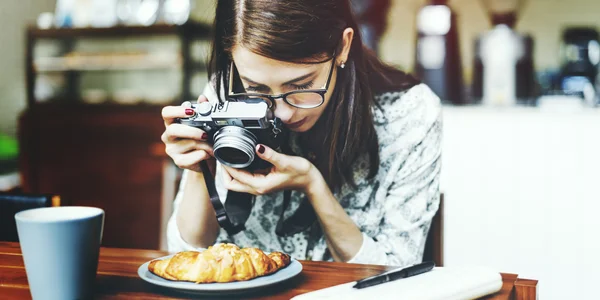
(107, 155)
(111, 53)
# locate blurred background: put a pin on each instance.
(83, 83)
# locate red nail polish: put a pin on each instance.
(261, 149)
(189, 111)
(204, 136)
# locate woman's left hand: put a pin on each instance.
(287, 172)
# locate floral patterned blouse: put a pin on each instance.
(393, 210)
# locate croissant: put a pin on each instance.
(219, 263)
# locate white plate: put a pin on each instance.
(293, 269)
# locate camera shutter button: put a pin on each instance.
(204, 108)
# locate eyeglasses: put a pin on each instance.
(301, 98)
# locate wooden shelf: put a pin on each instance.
(194, 29)
(113, 63)
(55, 105)
(72, 67)
(107, 62)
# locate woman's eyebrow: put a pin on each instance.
(250, 81)
(300, 78)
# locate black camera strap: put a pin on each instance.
(299, 221)
(238, 204)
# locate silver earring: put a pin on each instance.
(343, 65)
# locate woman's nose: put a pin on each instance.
(283, 111)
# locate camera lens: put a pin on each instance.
(233, 156)
(234, 146)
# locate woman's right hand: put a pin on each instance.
(186, 145)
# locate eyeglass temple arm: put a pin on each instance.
(330, 72)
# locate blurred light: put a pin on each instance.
(594, 52)
(434, 20)
(45, 20)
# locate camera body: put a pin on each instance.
(235, 128)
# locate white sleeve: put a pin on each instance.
(410, 205)
(175, 242)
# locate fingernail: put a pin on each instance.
(261, 149)
(189, 111)
(204, 136)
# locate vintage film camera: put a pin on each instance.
(235, 128)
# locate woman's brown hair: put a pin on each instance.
(309, 31)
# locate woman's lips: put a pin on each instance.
(296, 124)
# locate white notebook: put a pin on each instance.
(447, 283)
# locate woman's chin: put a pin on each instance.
(304, 128)
(298, 129)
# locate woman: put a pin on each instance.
(366, 156)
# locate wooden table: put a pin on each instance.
(117, 277)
